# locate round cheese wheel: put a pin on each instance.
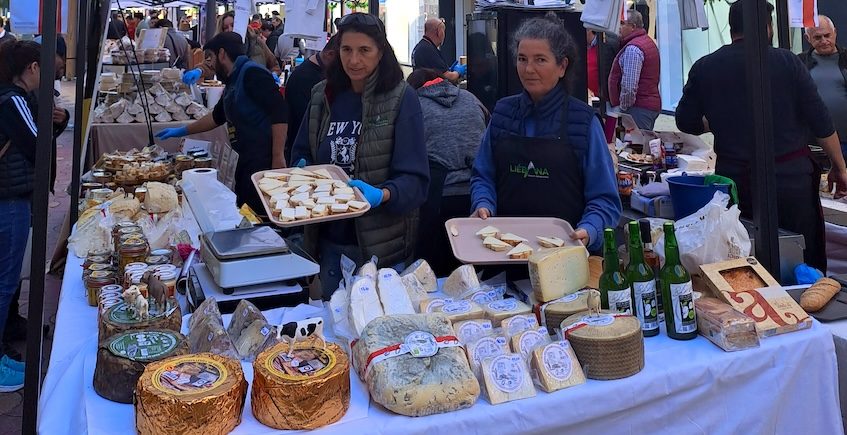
(555, 312)
(190, 394)
(118, 319)
(122, 358)
(608, 347)
(307, 390)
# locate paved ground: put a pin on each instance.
(11, 409)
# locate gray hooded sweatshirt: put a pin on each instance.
(454, 123)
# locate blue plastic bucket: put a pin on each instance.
(689, 194)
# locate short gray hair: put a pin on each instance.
(550, 29)
(634, 17)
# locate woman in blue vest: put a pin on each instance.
(365, 119)
(544, 153)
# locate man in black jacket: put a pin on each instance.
(827, 64)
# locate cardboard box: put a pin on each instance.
(749, 288)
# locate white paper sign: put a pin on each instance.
(242, 17)
(305, 18)
(802, 13)
(25, 16)
(195, 145)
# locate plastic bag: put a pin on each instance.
(712, 234)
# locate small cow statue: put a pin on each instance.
(136, 303)
(593, 302)
(157, 289)
(293, 332)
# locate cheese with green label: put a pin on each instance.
(556, 366)
(461, 281)
(506, 378)
(558, 272)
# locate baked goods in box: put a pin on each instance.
(724, 326)
(819, 294)
(429, 375)
(736, 275)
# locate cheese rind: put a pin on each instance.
(556, 366)
(558, 272)
(496, 245)
(488, 231)
(392, 293)
(421, 270)
(506, 378)
(461, 281)
(520, 251)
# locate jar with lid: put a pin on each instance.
(168, 278)
(133, 274)
(203, 162)
(164, 252)
(96, 259)
(124, 238)
(94, 282)
(183, 163)
(156, 260)
(111, 290)
(131, 251)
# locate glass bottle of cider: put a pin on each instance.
(643, 284)
(677, 292)
(615, 294)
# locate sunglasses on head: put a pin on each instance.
(359, 18)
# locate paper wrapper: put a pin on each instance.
(309, 390)
(192, 394)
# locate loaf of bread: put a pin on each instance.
(819, 294)
(160, 198)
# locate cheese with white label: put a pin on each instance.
(433, 305)
(461, 310)
(498, 311)
(392, 293)
(506, 378)
(478, 350)
(421, 270)
(558, 272)
(516, 324)
(364, 303)
(523, 343)
(468, 331)
(556, 366)
(461, 281)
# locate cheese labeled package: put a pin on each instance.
(556, 366)
(516, 324)
(392, 293)
(433, 305)
(364, 303)
(468, 331)
(245, 314)
(485, 347)
(463, 281)
(498, 311)
(461, 310)
(421, 270)
(557, 272)
(506, 378)
(525, 342)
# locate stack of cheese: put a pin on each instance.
(122, 358)
(250, 331)
(118, 318)
(557, 275)
(190, 394)
(206, 331)
(517, 246)
(304, 388)
(302, 194)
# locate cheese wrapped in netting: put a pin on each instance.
(428, 374)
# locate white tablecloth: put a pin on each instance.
(787, 386)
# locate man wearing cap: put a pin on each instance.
(715, 99)
(252, 107)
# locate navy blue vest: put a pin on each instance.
(254, 141)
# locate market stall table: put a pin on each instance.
(124, 137)
(788, 385)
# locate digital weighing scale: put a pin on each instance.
(244, 262)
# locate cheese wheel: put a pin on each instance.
(191, 394)
(506, 378)
(122, 358)
(498, 311)
(554, 312)
(307, 390)
(556, 366)
(117, 319)
(609, 346)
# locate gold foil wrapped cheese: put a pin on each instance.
(307, 390)
(191, 394)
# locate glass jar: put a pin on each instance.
(164, 252)
(94, 282)
(96, 259)
(111, 290)
(168, 278)
(131, 251)
(130, 272)
(183, 163)
(156, 260)
(202, 162)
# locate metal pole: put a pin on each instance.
(756, 44)
(373, 7)
(79, 126)
(211, 18)
(40, 197)
(783, 31)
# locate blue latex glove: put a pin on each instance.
(301, 163)
(461, 69)
(372, 194)
(192, 77)
(172, 132)
(276, 78)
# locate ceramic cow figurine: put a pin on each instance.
(135, 302)
(293, 332)
(593, 302)
(157, 290)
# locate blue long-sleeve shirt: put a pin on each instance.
(602, 203)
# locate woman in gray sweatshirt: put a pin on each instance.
(454, 123)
